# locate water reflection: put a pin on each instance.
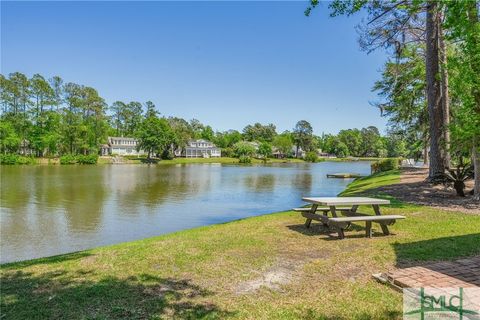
(48, 210)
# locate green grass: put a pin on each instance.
(200, 273)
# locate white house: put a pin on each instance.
(200, 149)
(123, 146)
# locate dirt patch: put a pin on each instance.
(413, 188)
(282, 272)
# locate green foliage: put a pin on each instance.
(311, 156)
(264, 150)
(243, 148)
(155, 134)
(259, 132)
(245, 159)
(284, 143)
(385, 165)
(68, 159)
(87, 159)
(228, 152)
(11, 159)
(303, 135)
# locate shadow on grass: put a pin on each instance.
(445, 248)
(318, 229)
(310, 314)
(68, 295)
(47, 260)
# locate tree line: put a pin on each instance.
(54, 118)
(430, 85)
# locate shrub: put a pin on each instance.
(227, 152)
(11, 159)
(243, 148)
(245, 159)
(167, 155)
(311, 156)
(88, 159)
(385, 165)
(68, 159)
(8, 159)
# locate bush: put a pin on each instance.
(8, 159)
(167, 155)
(245, 159)
(11, 159)
(227, 152)
(88, 159)
(68, 159)
(243, 148)
(385, 165)
(311, 156)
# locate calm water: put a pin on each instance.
(48, 210)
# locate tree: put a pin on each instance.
(264, 150)
(207, 133)
(303, 135)
(259, 132)
(154, 134)
(394, 24)
(283, 142)
(464, 24)
(370, 137)
(9, 140)
(244, 148)
(434, 102)
(352, 138)
(182, 132)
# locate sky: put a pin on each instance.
(225, 63)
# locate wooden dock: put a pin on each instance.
(344, 175)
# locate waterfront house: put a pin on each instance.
(122, 146)
(199, 149)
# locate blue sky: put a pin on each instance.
(225, 63)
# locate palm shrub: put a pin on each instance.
(458, 176)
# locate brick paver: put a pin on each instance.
(464, 273)
(460, 273)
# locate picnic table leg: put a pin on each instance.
(341, 234)
(312, 210)
(376, 208)
(368, 229)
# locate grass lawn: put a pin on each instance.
(267, 267)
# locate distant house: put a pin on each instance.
(199, 149)
(298, 153)
(123, 146)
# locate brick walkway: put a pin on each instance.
(442, 277)
(460, 273)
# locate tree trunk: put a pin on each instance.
(434, 101)
(445, 96)
(476, 171)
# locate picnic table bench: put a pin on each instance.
(349, 214)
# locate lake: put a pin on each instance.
(49, 210)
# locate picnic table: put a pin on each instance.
(346, 207)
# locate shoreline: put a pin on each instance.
(103, 160)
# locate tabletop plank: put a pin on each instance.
(346, 201)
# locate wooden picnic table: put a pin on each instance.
(347, 207)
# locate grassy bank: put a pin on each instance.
(266, 267)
